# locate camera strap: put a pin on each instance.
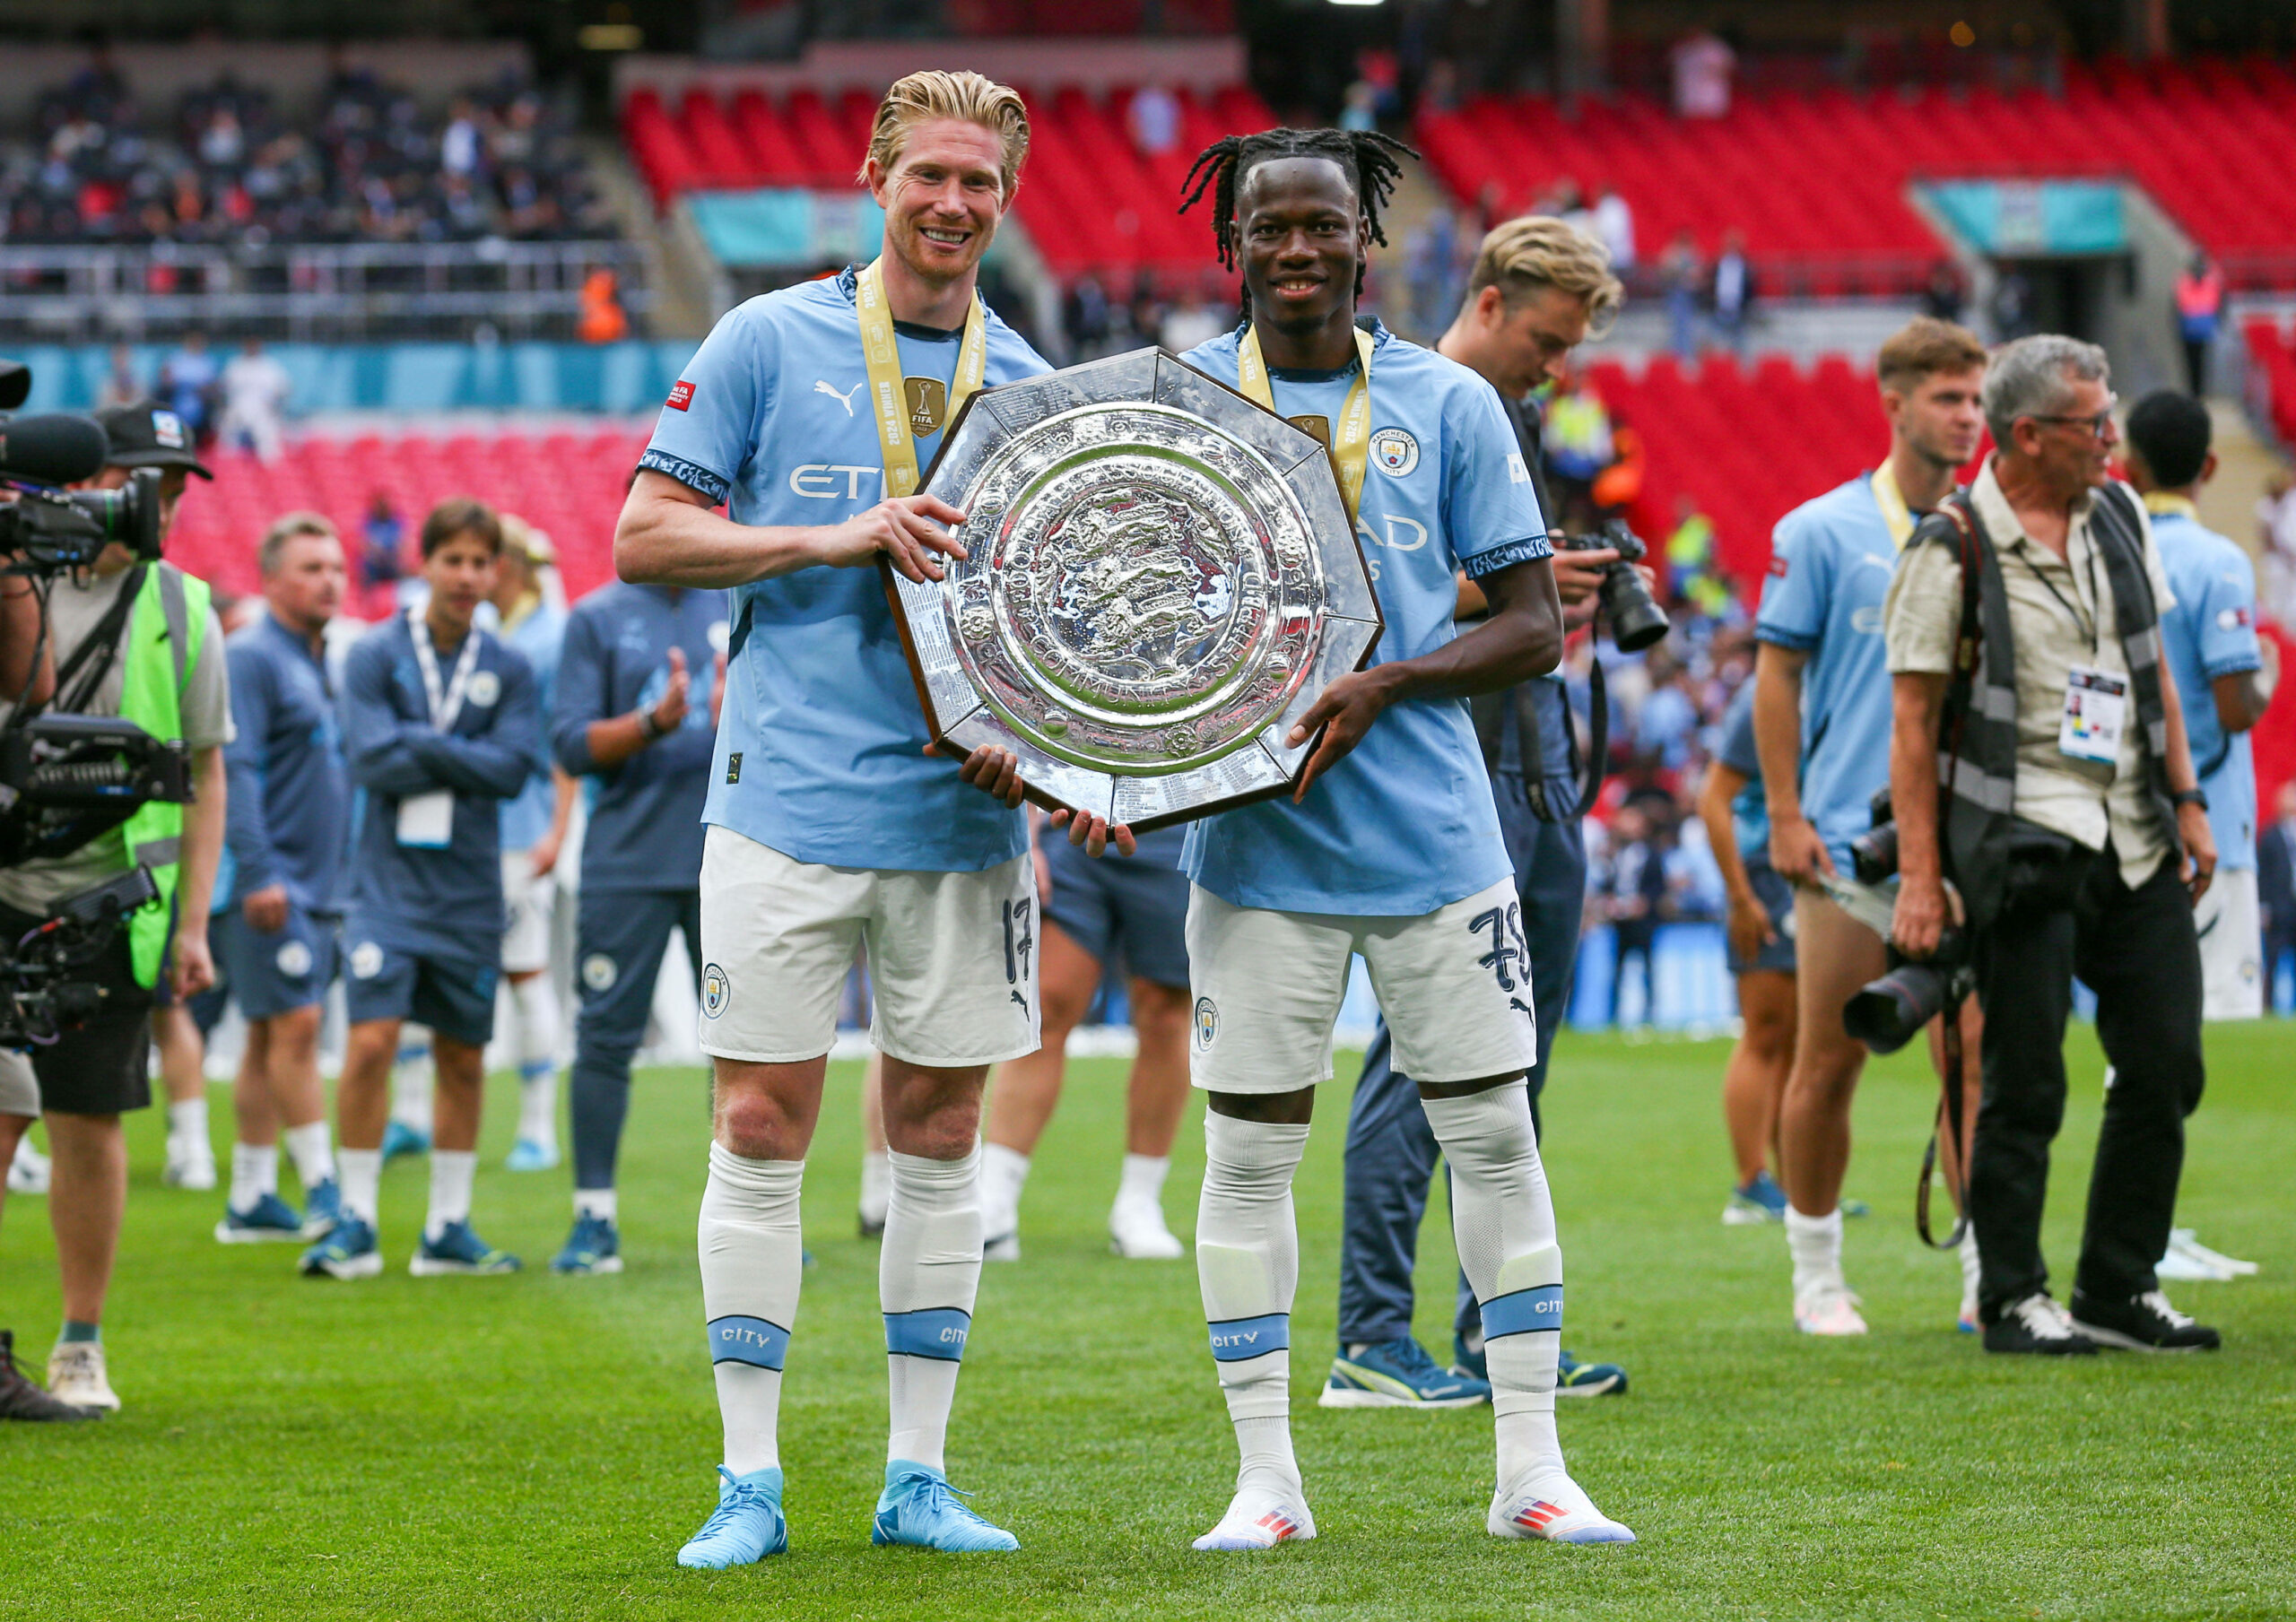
(80, 675)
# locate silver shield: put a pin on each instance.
(1161, 578)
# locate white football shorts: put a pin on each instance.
(531, 901)
(2232, 948)
(952, 957)
(1454, 984)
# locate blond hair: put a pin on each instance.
(290, 526)
(934, 94)
(1924, 347)
(1537, 251)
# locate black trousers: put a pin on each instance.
(2071, 915)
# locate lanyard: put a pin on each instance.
(881, 356)
(1895, 513)
(1351, 444)
(444, 708)
(2088, 624)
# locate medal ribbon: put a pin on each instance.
(1350, 445)
(1895, 513)
(881, 356)
(444, 706)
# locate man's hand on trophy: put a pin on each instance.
(998, 772)
(1345, 711)
(908, 530)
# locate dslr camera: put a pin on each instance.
(1887, 1014)
(1623, 598)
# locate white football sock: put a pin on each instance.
(362, 1181)
(1003, 1174)
(1247, 1265)
(928, 1272)
(536, 1004)
(412, 1081)
(1815, 1244)
(1502, 1219)
(597, 1203)
(188, 1121)
(1969, 1267)
(753, 1261)
(314, 1156)
(876, 1185)
(255, 1173)
(452, 1172)
(1144, 1179)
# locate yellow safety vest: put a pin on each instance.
(164, 632)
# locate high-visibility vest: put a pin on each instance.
(164, 633)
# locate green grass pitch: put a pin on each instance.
(537, 1447)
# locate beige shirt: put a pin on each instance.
(2085, 801)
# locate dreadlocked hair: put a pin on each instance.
(1371, 161)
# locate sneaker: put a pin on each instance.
(2181, 1267)
(1551, 1506)
(1573, 1378)
(458, 1249)
(2181, 1242)
(2037, 1324)
(919, 1508)
(400, 1139)
(1828, 1308)
(322, 1207)
(268, 1220)
(191, 1165)
(75, 1376)
(1258, 1518)
(347, 1252)
(1855, 1208)
(1759, 1201)
(20, 1397)
(28, 1172)
(1005, 1247)
(594, 1246)
(527, 1155)
(1398, 1374)
(873, 1227)
(2144, 1322)
(746, 1526)
(1137, 1233)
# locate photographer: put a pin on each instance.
(1538, 288)
(139, 642)
(2025, 649)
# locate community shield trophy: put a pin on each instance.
(1161, 578)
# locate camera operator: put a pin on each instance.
(2024, 635)
(1538, 288)
(141, 643)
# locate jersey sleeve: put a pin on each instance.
(207, 691)
(2225, 615)
(1489, 509)
(246, 834)
(1737, 751)
(1797, 588)
(716, 413)
(581, 697)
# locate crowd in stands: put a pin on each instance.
(226, 165)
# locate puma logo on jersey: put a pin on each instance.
(844, 397)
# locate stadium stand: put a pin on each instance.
(2271, 374)
(569, 483)
(1817, 182)
(1093, 200)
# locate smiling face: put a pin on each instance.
(943, 197)
(1302, 238)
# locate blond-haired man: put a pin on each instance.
(1822, 727)
(810, 412)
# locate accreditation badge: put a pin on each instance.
(2096, 710)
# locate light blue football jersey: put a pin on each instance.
(1831, 563)
(2212, 632)
(1750, 807)
(1406, 823)
(821, 745)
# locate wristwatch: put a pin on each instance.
(2191, 797)
(650, 726)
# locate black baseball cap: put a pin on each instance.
(147, 434)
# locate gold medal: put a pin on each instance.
(1352, 452)
(897, 402)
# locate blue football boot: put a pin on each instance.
(746, 1526)
(267, 1221)
(1572, 1378)
(400, 1139)
(527, 1156)
(458, 1249)
(919, 1508)
(1399, 1374)
(322, 1204)
(348, 1251)
(1754, 1202)
(594, 1246)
